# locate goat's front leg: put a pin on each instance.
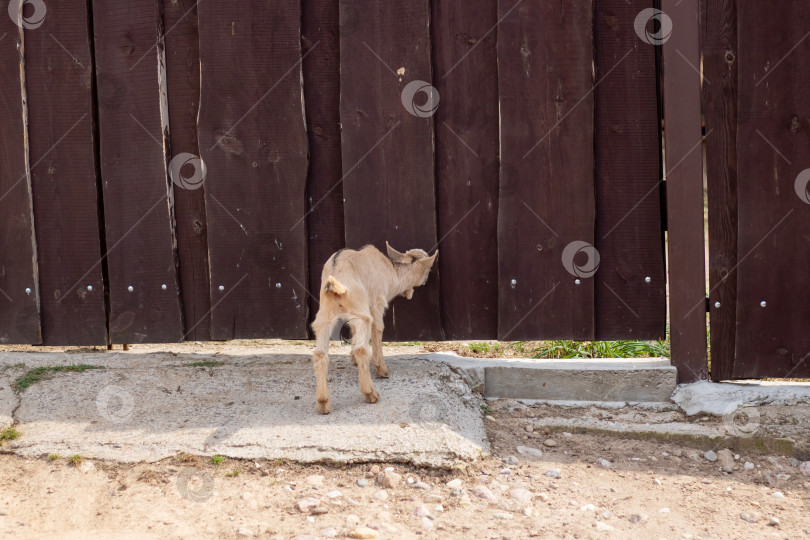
(376, 350)
(361, 354)
(320, 361)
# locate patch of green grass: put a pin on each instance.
(8, 434)
(600, 349)
(53, 457)
(206, 363)
(75, 460)
(217, 460)
(37, 374)
(234, 473)
(486, 408)
(18, 365)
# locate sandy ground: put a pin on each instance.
(650, 490)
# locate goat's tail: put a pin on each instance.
(335, 287)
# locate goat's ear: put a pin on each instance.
(430, 260)
(395, 255)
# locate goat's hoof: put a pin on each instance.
(324, 407)
(372, 397)
(383, 372)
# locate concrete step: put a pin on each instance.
(596, 379)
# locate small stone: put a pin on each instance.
(529, 451)
(306, 504)
(86, 466)
(438, 509)
(427, 523)
(244, 531)
(725, 459)
(710, 456)
(375, 470)
(526, 511)
(553, 473)
(804, 468)
(246, 496)
(482, 492)
(433, 498)
(320, 510)
(639, 519)
(551, 443)
(455, 483)
(315, 480)
(334, 494)
(663, 510)
(502, 515)
(409, 480)
(529, 428)
(506, 472)
(352, 520)
(543, 497)
(601, 526)
(329, 533)
(389, 469)
(778, 495)
(381, 495)
(656, 481)
(420, 485)
(750, 518)
(421, 511)
(362, 482)
(706, 480)
(748, 466)
(773, 521)
(523, 496)
(388, 479)
(363, 533)
(512, 460)
(604, 463)
(456, 492)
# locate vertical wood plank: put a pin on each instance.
(389, 188)
(321, 44)
(183, 82)
(629, 234)
(545, 54)
(59, 86)
(719, 27)
(466, 124)
(774, 206)
(684, 185)
(137, 210)
(19, 290)
(253, 141)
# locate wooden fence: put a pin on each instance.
(182, 170)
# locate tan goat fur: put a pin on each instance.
(356, 286)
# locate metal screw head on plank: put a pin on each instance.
(221, 288)
(513, 283)
(278, 285)
(130, 288)
(763, 303)
(717, 304)
(27, 290)
(647, 279)
(89, 288)
(577, 282)
(163, 287)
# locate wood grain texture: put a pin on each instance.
(466, 129)
(253, 141)
(387, 151)
(183, 83)
(628, 184)
(545, 55)
(19, 319)
(774, 220)
(59, 80)
(684, 185)
(325, 232)
(720, 68)
(137, 209)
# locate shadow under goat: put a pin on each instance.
(356, 287)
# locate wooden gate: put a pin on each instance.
(190, 166)
(757, 113)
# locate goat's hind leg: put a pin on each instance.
(361, 353)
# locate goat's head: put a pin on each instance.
(413, 268)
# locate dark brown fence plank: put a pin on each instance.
(139, 247)
(59, 80)
(466, 124)
(719, 27)
(19, 291)
(253, 141)
(545, 53)
(387, 151)
(684, 164)
(325, 232)
(630, 287)
(774, 219)
(183, 81)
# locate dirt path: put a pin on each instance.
(650, 490)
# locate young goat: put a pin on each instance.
(356, 286)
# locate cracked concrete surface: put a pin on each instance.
(149, 407)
